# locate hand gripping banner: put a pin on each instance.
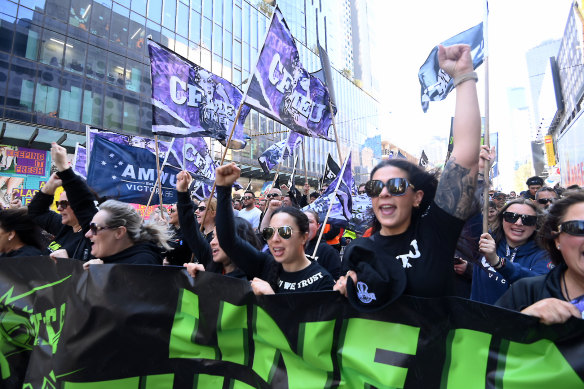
(133, 327)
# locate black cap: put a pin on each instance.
(379, 281)
(535, 180)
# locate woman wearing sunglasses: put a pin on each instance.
(75, 205)
(418, 221)
(287, 269)
(510, 253)
(558, 295)
(209, 255)
(119, 235)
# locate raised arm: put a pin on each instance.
(78, 193)
(242, 253)
(188, 222)
(39, 211)
(458, 181)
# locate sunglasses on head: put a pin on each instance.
(526, 220)
(201, 208)
(94, 228)
(63, 204)
(545, 201)
(272, 195)
(572, 227)
(395, 187)
(284, 231)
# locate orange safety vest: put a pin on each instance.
(336, 239)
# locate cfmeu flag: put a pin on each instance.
(280, 151)
(423, 160)
(283, 90)
(188, 100)
(128, 174)
(436, 84)
(342, 203)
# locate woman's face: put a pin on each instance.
(394, 213)
(200, 213)
(68, 217)
(103, 241)
(219, 255)
(173, 215)
(492, 216)
(572, 247)
(312, 225)
(516, 233)
(286, 250)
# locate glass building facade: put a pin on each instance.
(65, 64)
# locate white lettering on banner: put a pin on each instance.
(284, 81)
(179, 96)
(146, 175)
(129, 172)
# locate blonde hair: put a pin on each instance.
(124, 215)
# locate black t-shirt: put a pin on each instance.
(326, 256)
(312, 278)
(425, 252)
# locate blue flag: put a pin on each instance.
(189, 154)
(362, 214)
(341, 211)
(283, 90)
(280, 151)
(188, 100)
(128, 174)
(436, 84)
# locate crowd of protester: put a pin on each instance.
(425, 240)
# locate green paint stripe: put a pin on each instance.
(10, 299)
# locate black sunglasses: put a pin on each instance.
(272, 195)
(572, 227)
(63, 204)
(526, 220)
(171, 210)
(94, 228)
(201, 208)
(245, 198)
(545, 201)
(395, 187)
(284, 231)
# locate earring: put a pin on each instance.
(9, 238)
(558, 247)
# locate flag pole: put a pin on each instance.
(335, 130)
(304, 159)
(163, 164)
(158, 170)
(487, 165)
(340, 177)
(224, 154)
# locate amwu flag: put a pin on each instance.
(283, 90)
(128, 174)
(342, 203)
(280, 151)
(436, 84)
(189, 154)
(188, 100)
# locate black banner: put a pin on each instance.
(132, 326)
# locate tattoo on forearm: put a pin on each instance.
(456, 190)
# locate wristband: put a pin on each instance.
(499, 264)
(465, 77)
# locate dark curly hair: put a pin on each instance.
(420, 179)
(549, 230)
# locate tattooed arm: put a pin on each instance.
(458, 181)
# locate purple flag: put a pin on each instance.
(341, 211)
(283, 90)
(280, 151)
(188, 100)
